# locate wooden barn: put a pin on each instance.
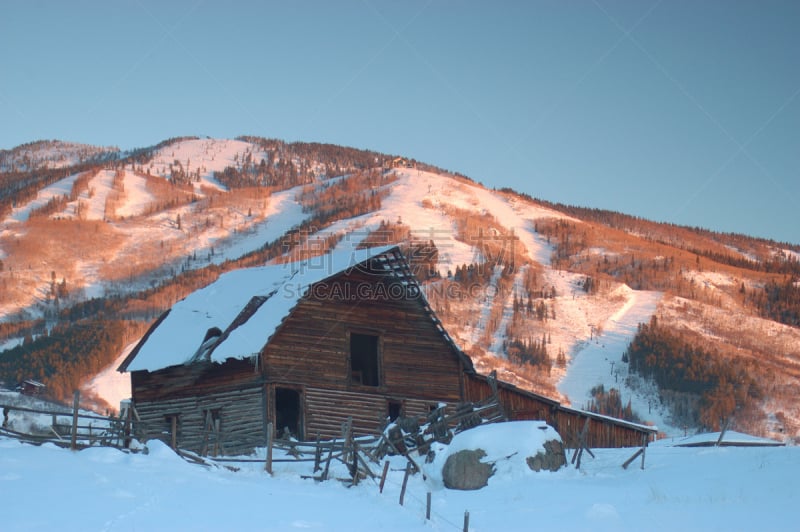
(308, 345)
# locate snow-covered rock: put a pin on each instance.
(506, 450)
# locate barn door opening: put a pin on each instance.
(288, 413)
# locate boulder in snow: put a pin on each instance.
(552, 458)
(465, 471)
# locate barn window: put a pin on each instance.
(364, 367)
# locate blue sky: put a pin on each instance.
(678, 111)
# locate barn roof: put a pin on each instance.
(235, 316)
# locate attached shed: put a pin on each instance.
(306, 346)
(519, 404)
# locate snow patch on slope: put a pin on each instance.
(206, 155)
(57, 189)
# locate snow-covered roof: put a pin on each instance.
(731, 438)
(247, 306)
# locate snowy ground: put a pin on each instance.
(726, 488)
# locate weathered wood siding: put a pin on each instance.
(312, 347)
(516, 405)
(603, 431)
(325, 411)
(523, 405)
(193, 379)
(240, 415)
(233, 389)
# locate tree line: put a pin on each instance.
(723, 385)
(63, 356)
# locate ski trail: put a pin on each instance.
(508, 313)
(486, 309)
(599, 361)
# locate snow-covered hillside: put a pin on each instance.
(201, 158)
(50, 154)
(716, 488)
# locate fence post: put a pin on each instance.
(428, 507)
(268, 461)
(383, 475)
(328, 461)
(405, 482)
(347, 434)
(317, 455)
(466, 520)
(354, 466)
(76, 399)
(644, 448)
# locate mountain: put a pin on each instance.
(677, 326)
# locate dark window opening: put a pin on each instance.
(394, 410)
(288, 412)
(364, 359)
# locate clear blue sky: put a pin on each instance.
(678, 111)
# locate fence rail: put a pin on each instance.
(64, 428)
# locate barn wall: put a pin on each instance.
(234, 389)
(603, 432)
(240, 414)
(517, 406)
(193, 379)
(327, 410)
(312, 346)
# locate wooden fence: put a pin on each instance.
(67, 428)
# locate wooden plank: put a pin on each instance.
(632, 458)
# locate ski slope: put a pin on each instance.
(599, 360)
